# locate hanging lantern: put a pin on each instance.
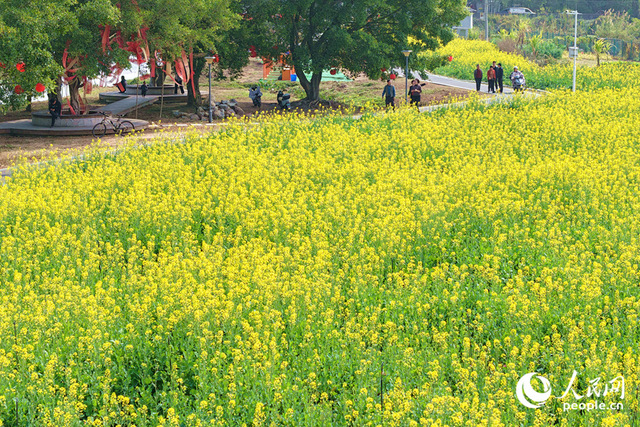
(40, 88)
(20, 67)
(383, 69)
(392, 76)
(18, 90)
(450, 58)
(333, 71)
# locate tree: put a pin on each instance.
(26, 60)
(77, 44)
(196, 31)
(358, 35)
(601, 47)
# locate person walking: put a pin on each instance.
(178, 85)
(415, 92)
(499, 77)
(122, 86)
(144, 88)
(389, 93)
(491, 79)
(55, 109)
(477, 74)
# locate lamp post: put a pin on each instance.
(210, 60)
(406, 54)
(573, 51)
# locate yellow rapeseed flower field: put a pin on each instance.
(396, 270)
(467, 53)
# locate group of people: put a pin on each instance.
(415, 93)
(495, 76)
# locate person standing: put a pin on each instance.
(389, 93)
(178, 85)
(144, 88)
(499, 77)
(491, 79)
(55, 108)
(477, 74)
(415, 91)
(123, 85)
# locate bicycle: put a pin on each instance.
(119, 126)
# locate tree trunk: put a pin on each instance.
(74, 94)
(158, 80)
(311, 87)
(194, 99)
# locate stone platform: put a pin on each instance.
(26, 127)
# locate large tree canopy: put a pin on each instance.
(26, 31)
(358, 35)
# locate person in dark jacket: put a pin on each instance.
(144, 88)
(123, 85)
(415, 92)
(178, 85)
(55, 108)
(477, 74)
(499, 77)
(389, 93)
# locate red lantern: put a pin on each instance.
(392, 76)
(333, 71)
(450, 58)
(20, 67)
(40, 88)
(383, 69)
(18, 89)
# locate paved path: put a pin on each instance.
(129, 104)
(463, 84)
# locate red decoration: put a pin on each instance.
(18, 89)
(383, 69)
(20, 67)
(40, 87)
(333, 71)
(450, 58)
(2, 65)
(392, 76)
(216, 58)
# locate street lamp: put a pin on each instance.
(210, 60)
(573, 51)
(406, 54)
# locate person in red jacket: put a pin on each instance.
(477, 74)
(491, 78)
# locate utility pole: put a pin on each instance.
(573, 51)
(486, 20)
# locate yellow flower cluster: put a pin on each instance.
(396, 270)
(467, 53)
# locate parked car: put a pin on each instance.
(520, 11)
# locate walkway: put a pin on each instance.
(129, 104)
(463, 84)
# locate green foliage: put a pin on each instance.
(361, 36)
(430, 60)
(540, 49)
